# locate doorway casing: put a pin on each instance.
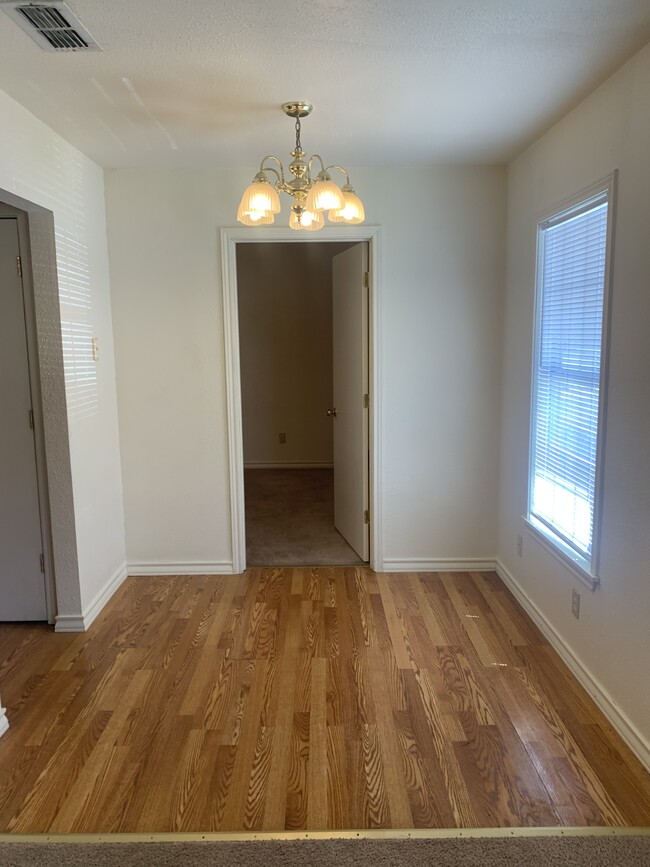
(229, 240)
(41, 292)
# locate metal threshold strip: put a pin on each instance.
(370, 834)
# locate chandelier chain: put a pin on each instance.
(298, 142)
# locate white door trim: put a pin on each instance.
(229, 240)
(35, 375)
(52, 420)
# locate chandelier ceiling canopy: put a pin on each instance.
(312, 197)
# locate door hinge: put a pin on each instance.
(42, 563)
(366, 279)
(19, 266)
(366, 516)
(31, 419)
(366, 401)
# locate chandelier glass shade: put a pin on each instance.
(312, 196)
(352, 210)
(308, 221)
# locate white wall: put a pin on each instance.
(442, 283)
(441, 326)
(37, 165)
(284, 294)
(610, 129)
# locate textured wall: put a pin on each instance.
(440, 316)
(609, 130)
(38, 166)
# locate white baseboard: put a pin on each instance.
(168, 567)
(4, 722)
(289, 465)
(617, 717)
(445, 565)
(81, 622)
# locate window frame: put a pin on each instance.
(585, 569)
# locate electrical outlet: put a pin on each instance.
(282, 437)
(520, 544)
(575, 604)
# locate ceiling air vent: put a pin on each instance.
(52, 25)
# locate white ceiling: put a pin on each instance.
(200, 82)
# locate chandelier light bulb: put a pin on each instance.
(312, 220)
(306, 221)
(352, 210)
(325, 195)
(255, 218)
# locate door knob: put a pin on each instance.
(331, 412)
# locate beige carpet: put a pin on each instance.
(290, 519)
(475, 852)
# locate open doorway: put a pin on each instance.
(287, 423)
(302, 311)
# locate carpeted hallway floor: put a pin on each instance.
(598, 851)
(290, 519)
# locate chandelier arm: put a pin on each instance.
(263, 168)
(311, 159)
(341, 169)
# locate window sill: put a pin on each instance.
(572, 561)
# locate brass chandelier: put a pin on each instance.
(261, 201)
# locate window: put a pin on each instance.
(568, 377)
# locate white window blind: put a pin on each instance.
(567, 372)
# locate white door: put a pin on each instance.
(350, 390)
(22, 584)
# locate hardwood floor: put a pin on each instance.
(305, 699)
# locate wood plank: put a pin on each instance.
(400, 811)
(430, 615)
(376, 809)
(297, 791)
(338, 780)
(246, 742)
(399, 646)
(444, 750)
(425, 808)
(275, 808)
(258, 791)
(317, 768)
(494, 600)
(468, 617)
